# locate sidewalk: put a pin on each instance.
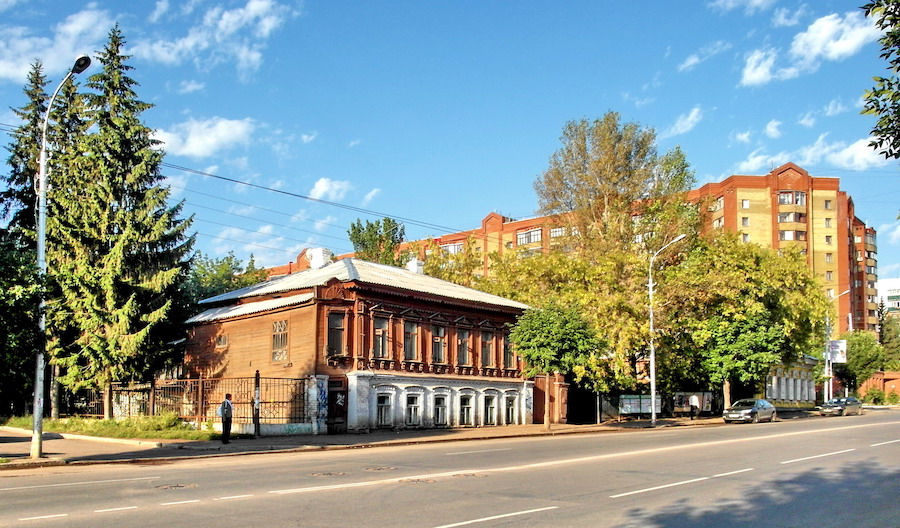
(66, 449)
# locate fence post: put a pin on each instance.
(256, 427)
(153, 397)
(199, 400)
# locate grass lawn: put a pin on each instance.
(156, 427)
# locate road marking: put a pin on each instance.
(44, 517)
(483, 519)
(817, 456)
(883, 443)
(732, 472)
(654, 488)
(179, 502)
(479, 451)
(234, 497)
(116, 509)
(77, 483)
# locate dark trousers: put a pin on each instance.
(695, 411)
(226, 430)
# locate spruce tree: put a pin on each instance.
(122, 250)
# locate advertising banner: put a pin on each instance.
(837, 350)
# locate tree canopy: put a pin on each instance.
(883, 100)
(378, 241)
(209, 276)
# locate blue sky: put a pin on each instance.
(437, 113)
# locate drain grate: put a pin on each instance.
(382, 468)
(327, 474)
(474, 475)
(417, 481)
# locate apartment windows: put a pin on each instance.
(745, 237)
(462, 347)
(413, 411)
(829, 258)
(792, 217)
(440, 410)
(465, 410)
(829, 276)
(438, 344)
(719, 223)
(791, 198)
(529, 236)
(828, 239)
(827, 204)
(453, 249)
(828, 222)
(384, 410)
(718, 205)
(279, 340)
(745, 221)
(870, 270)
(487, 349)
(410, 335)
(556, 232)
(791, 235)
(490, 410)
(509, 360)
(335, 345)
(870, 239)
(510, 410)
(829, 293)
(745, 204)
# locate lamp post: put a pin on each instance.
(650, 287)
(829, 386)
(81, 64)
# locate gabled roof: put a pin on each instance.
(361, 271)
(224, 312)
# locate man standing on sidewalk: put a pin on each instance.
(226, 410)
(695, 405)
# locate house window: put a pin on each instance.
(410, 334)
(792, 217)
(380, 343)
(510, 410)
(413, 414)
(462, 347)
(221, 341)
(490, 410)
(829, 275)
(828, 222)
(785, 235)
(745, 221)
(279, 340)
(440, 410)
(465, 410)
(827, 204)
(384, 410)
(829, 257)
(335, 334)
(745, 204)
(487, 349)
(745, 237)
(719, 223)
(791, 198)
(556, 232)
(718, 205)
(828, 239)
(829, 293)
(509, 360)
(453, 249)
(530, 236)
(801, 235)
(438, 344)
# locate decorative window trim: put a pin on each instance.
(279, 341)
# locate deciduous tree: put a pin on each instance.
(883, 100)
(378, 241)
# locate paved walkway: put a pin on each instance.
(63, 449)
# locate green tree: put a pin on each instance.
(378, 241)
(552, 340)
(890, 340)
(883, 100)
(209, 276)
(460, 267)
(122, 250)
(865, 356)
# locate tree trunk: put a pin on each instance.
(726, 393)
(547, 405)
(107, 402)
(54, 392)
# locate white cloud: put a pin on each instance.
(685, 123)
(832, 38)
(354, 143)
(267, 248)
(186, 87)
(177, 184)
(200, 139)
(750, 6)
(757, 161)
(639, 102)
(834, 108)
(784, 17)
(742, 137)
(235, 36)
(758, 67)
(162, 6)
(706, 52)
(370, 196)
(76, 35)
(808, 120)
(772, 129)
(324, 223)
(6, 4)
(308, 138)
(329, 189)
(855, 156)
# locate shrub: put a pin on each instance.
(875, 396)
(893, 398)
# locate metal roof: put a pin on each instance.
(350, 269)
(224, 312)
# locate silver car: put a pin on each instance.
(841, 407)
(750, 410)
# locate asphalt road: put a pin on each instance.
(839, 471)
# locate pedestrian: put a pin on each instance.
(226, 410)
(695, 405)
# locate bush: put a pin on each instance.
(875, 396)
(893, 398)
(165, 426)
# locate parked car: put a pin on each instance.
(841, 407)
(750, 410)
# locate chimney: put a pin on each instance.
(416, 266)
(318, 257)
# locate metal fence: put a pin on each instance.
(281, 400)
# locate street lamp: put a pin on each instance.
(828, 388)
(650, 287)
(81, 64)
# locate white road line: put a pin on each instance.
(817, 456)
(44, 517)
(77, 483)
(883, 443)
(732, 472)
(179, 502)
(479, 451)
(654, 488)
(116, 509)
(483, 519)
(234, 497)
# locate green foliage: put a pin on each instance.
(19, 298)
(165, 426)
(875, 396)
(890, 341)
(552, 339)
(865, 356)
(209, 276)
(378, 241)
(883, 100)
(462, 267)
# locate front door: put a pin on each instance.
(337, 411)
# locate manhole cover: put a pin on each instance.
(417, 481)
(382, 468)
(475, 475)
(176, 486)
(327, 474)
